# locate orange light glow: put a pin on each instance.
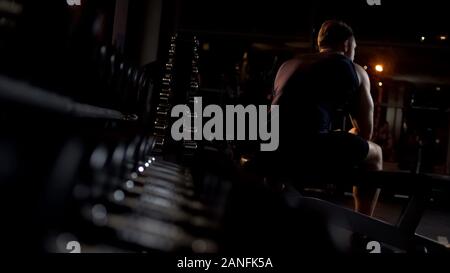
(379, 68)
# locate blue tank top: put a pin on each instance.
(322, 86)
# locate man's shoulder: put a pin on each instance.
(362, 73)
(288, 68)
(298, 61)
(360, 70)
(295, 62)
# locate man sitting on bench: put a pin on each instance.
(311, 91)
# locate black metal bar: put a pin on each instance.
(410, 218)
(23, 93)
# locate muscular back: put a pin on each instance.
(312, 89)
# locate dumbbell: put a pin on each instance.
(150, 234)
(146, 169)
(162, 203)
(150, 204)
(128, 77)
(103, 62)
(120, 84)
(140, 91)
(137, 88)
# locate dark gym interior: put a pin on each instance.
(86, 153)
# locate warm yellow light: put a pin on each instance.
(443, 38)
(379, 68)
(380, 84)
(244, 160)
(422, 38)
(206, 47)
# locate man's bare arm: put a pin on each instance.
(284, 73)
(362, 119)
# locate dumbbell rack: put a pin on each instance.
(150, 221)
(167, 95)
(162, 120)
(125, 86)
(190, 146)
(128, 198)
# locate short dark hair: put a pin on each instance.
(333, 33)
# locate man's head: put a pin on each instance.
(337, 36)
